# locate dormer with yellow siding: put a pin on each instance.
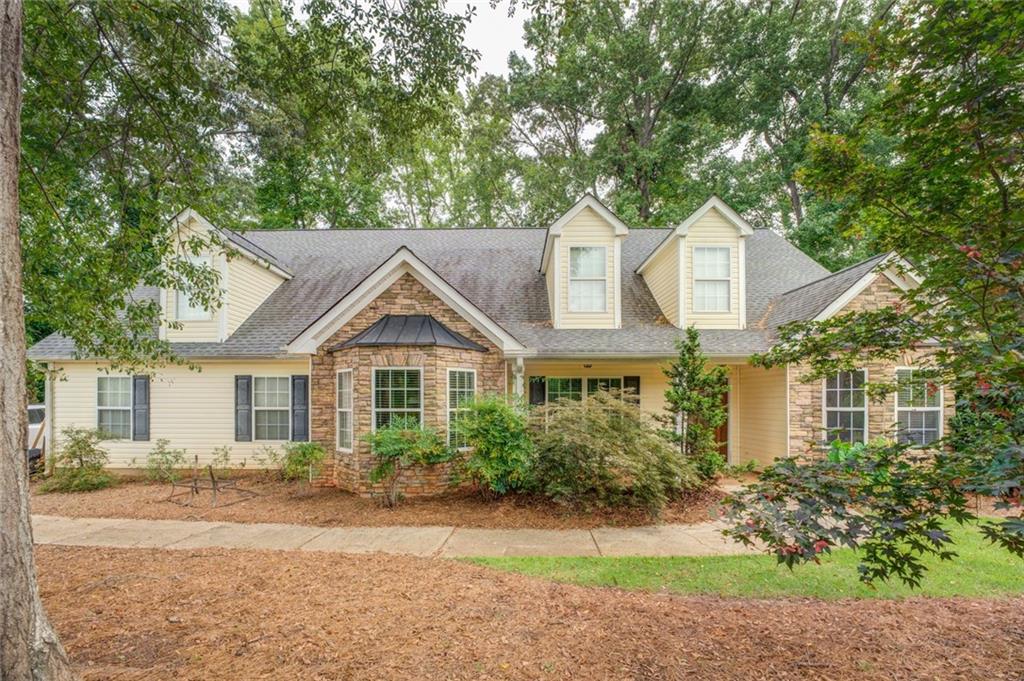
(582, 265)
(246, 279)
(697, 274)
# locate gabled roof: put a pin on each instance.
(741, 225)
(415, 329)
(496, 270)
(823, 298)
(402, 262)
(588, 201)
(239, 243)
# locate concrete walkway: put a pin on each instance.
(702, 539)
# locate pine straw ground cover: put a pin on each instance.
(217, 614)
(278, 502)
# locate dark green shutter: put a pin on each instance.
(631, 387)
(300, 408)
(243, 408)
(538, 390)
(140, 408)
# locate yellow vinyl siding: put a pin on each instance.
(195, 410)
(760, 412)
(549, 278)
(662, 278)
(713, 230)
(198, 330)
(587, 229)
(248, 285)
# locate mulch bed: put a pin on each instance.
(216, 614)
(278, 502)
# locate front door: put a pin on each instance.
(722, 432)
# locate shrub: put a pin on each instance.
(79, 463)
(606, 452)
(302, 461)
(268, 459)
(164, 464)
(221, 461)
(501, 451)
(403, 442)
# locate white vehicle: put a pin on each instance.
(36, 434)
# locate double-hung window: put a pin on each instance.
(272, 407)
(345, 409)
(588, 279)
(846, 406)
(114, 406)
(918, 408)
(595, 384)
(461, 389)
(711, 280)
(397, 393)
(185, 309)
(565, 389)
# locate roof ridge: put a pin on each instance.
(834, 274)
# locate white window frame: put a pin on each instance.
(288, 379)
(547, 386)
(373, 395)
(587, 379)
(694, 278)
(603, 279)
(207, 315)
(448, 396)
(941, 409)
(340, 409)
(129, 408)
(825, 409)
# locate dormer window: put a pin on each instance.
(711, 280)
(185, 309)
(588, 279)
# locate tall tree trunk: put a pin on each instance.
(795, 202)
(29, 647)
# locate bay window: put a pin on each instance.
(397, 393)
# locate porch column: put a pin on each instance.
(518, 372)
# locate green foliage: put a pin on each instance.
(839, 451)
(401, 444)
(604, 452)
(302, 460)
(501, 451)
(949, 198)
(221, 461)
(164, 464)
(695, 405)
(79, 463)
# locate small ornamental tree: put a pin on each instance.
(402, 444)
(694, 405)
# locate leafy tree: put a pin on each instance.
(792, 66)
(497, 433)
(694, 405)
(950, 198)
(327, 100)
(120, 115)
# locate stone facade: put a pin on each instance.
(350, 469)
(806, 415)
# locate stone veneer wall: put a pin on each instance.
(350, 470)
(806, 418)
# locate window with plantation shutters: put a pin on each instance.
(461, 389)
(345, 409)
(918, 408)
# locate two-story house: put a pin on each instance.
(325, 335)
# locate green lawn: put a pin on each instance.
(980, 570)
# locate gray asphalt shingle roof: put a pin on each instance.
(496, 269)
(807, 301)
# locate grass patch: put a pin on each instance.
(980, 570)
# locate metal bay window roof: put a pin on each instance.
(414, 329)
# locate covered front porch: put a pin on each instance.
(757, 429)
